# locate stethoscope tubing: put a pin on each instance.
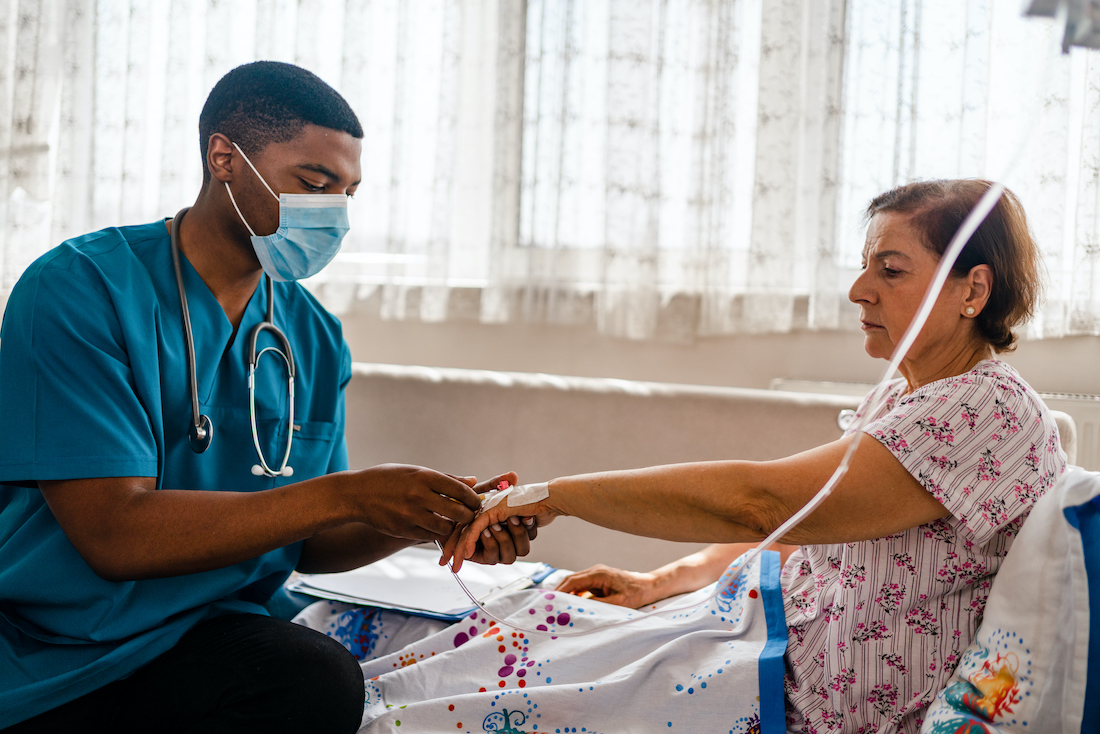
(201, 432)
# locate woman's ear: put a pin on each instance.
(979, 286)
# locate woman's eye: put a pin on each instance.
(890, 272)
(310, 187)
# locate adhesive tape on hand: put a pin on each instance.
(493, 497)
(528, 494)
(524, 494)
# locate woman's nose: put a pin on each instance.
(860, 290)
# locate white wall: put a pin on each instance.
(1070, 365)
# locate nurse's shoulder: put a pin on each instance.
(105, 263)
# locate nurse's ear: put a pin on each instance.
(219, 158)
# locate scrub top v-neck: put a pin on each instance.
(93, 380)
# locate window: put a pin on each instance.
(663, 169)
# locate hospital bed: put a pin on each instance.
(482, 422)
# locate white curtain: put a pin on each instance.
(99, 106)
(959, 88)
(663, 169)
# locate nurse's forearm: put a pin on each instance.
(127, 530)
(347, 547)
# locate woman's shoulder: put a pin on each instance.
(990, 377)
(885, 399)
(988, 408)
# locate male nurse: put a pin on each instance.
(134, 569)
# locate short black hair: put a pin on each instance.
(270, 102)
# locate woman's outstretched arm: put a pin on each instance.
(737, 501)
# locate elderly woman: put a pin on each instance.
(890, 575)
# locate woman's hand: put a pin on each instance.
(463, 544)
(499, 542)
(615, 586)
(632, 589)
(502, 543)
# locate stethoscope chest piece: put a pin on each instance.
(201, 434)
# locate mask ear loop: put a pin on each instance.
(970, 225)
(245, 221)
(234, 201)
(255, 172)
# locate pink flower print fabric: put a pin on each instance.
(877, 627)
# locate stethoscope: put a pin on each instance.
(202, 429)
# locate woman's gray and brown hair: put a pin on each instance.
(936, 210)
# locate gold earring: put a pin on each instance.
(969, 310)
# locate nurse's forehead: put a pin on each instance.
(331, 153)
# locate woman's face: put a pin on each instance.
(897, 269)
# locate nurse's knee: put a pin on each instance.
(327, 684)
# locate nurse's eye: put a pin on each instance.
(311, 188)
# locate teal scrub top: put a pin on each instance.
(94, 383)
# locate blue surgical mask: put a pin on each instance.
(311, 227)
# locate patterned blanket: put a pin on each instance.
(714, 667)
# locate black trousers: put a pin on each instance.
(238, 673)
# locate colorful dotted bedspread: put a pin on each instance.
(716, 666)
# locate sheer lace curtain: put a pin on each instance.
(663, 169)
(958, 89)
(99, 105)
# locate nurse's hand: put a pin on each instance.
(465, 545)
(501, 543)
(412, 502)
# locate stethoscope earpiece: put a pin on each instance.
(288, 471)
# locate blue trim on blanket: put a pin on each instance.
(773, 717)
(1086, 518)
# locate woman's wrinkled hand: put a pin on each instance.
(499, 542)
(465, 543)
(614, 586)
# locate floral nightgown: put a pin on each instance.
(877, 627)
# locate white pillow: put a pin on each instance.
(1027, 667)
